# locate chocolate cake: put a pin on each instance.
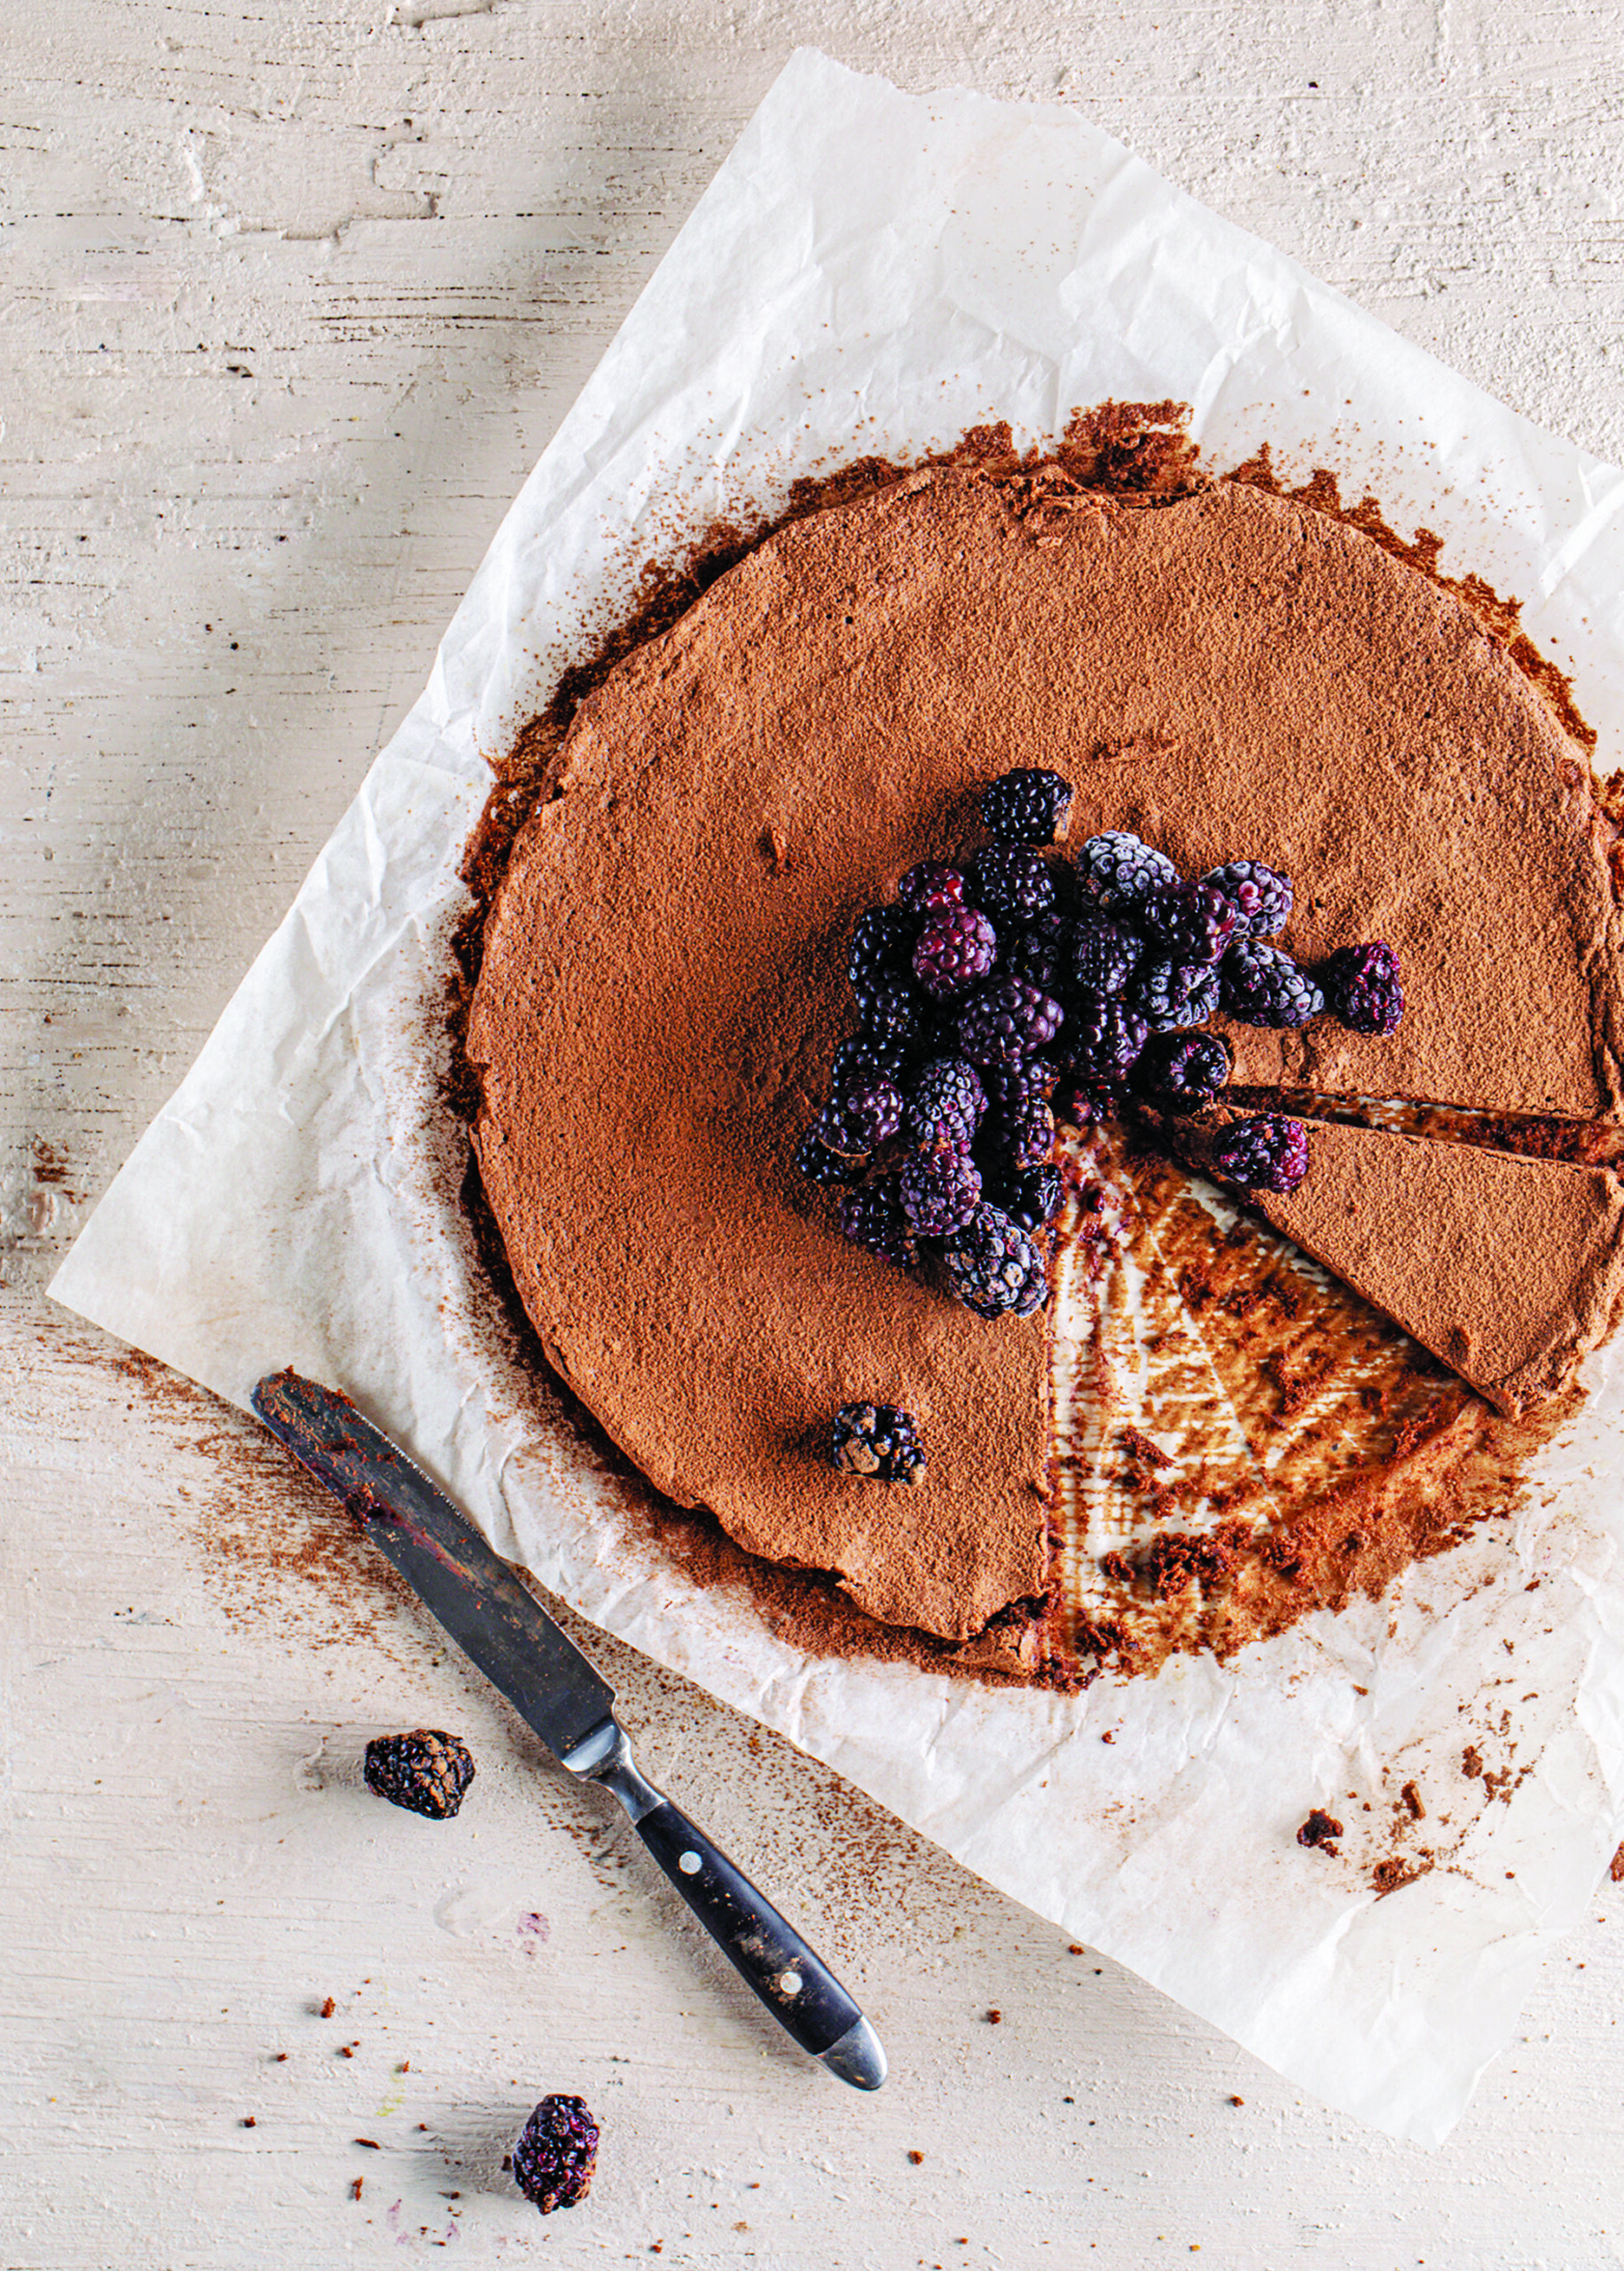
(1226, 673)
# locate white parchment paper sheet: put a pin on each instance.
(873, 271)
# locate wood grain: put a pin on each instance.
(293, 297)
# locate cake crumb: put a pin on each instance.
(1615, 1867)
(250, 2121)
(995, 2018)
(1411, 1797)
(1237, 2101)
(329, 2007)
(917, 2159)
(1321, 1829)
(1472, 1760)
(355, 2188)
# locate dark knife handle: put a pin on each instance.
(767, 1953)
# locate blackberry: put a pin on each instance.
(941, 1189)
(854, 1123)
(1267, 1153)
(1117, 871)
(1189, 921)
(931, 886)
(1260, 897)
(866, 1058)
(1009, 1085)
(1028, 807)
(427, 1771)
(1103, 1037)
(1168, 994)
(1034, 1199)
(888, 1010)
(994, 1269)
(882, 942)
(1082, 1103)
(1364, 988)
(953, 950)
(1104, 956)
(555, 2154)
(819, 1164)
(1022, 1137)
(1181, 1072)
(872, 1217)
(1011, 882)
(944, 1102)
(1039, 954)
(876, 1439)
(1262, 986)
(1008, 1020)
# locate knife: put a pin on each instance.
(551, 1685)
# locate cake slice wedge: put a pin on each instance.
(1509, 1270)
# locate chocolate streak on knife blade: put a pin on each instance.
(479, 1600)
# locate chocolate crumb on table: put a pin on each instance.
(1319, 1830)
(1615, 1867)
(327, 2008)
(1411, 1797)
(917, 2159)
(355, 2188)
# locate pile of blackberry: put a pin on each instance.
(995, 994)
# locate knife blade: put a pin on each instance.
(556, 1690)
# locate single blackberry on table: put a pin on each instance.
(872, 1216)
(1022, 1138)
(1181, 1072)
(1103, 1037)
(854, 1122)
(944, 1102)
(1011, 882)
(1080, 1102)
(1261, 987)
(864, 1058)
(1265, 1153)
(555, 2154)
(1010, 1084)
(1168, 994)
(940, 1188)
(888, 1010)
(1026, 807)
(879, 1440)
(1188, 921)
(1008, 1020)
(427, 1771)
(1038, 953)
(819, 1164)
(993, 1267)
(1104, 956)
(881, 940)
(1364, 988)
(1117, 871)
(1260, 897)
(955, 949)
(931, 886)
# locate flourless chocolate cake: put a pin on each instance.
(1227, 673)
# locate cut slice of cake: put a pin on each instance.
(1510, 1268)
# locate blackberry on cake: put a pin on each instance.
(955, 948)
(1267, 1152)
(819, 1164)
(1168, 994)
(1011, 1083)
(1181, 1071)
(1103, 1038)
(940, 1190)
(1260, 896)
(1007, 1021)
(1104, 956)
(930, 886)
(889, 1010)
(881, 940)
(1038, 953)
(878, 1441)
(865, 1058)
(1364, 988)
(1022, 1137)
(994, 1269)
(1011, 882)
(872, 1216)
(854, 1122)
(1262, 986)
(944, 1102)
(1188, 921)
(1115, 871)
(1026, 807)
(1034, 1199)
(1082, 1102)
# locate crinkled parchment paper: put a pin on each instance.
(874, 271)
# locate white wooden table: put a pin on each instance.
(294, 296)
